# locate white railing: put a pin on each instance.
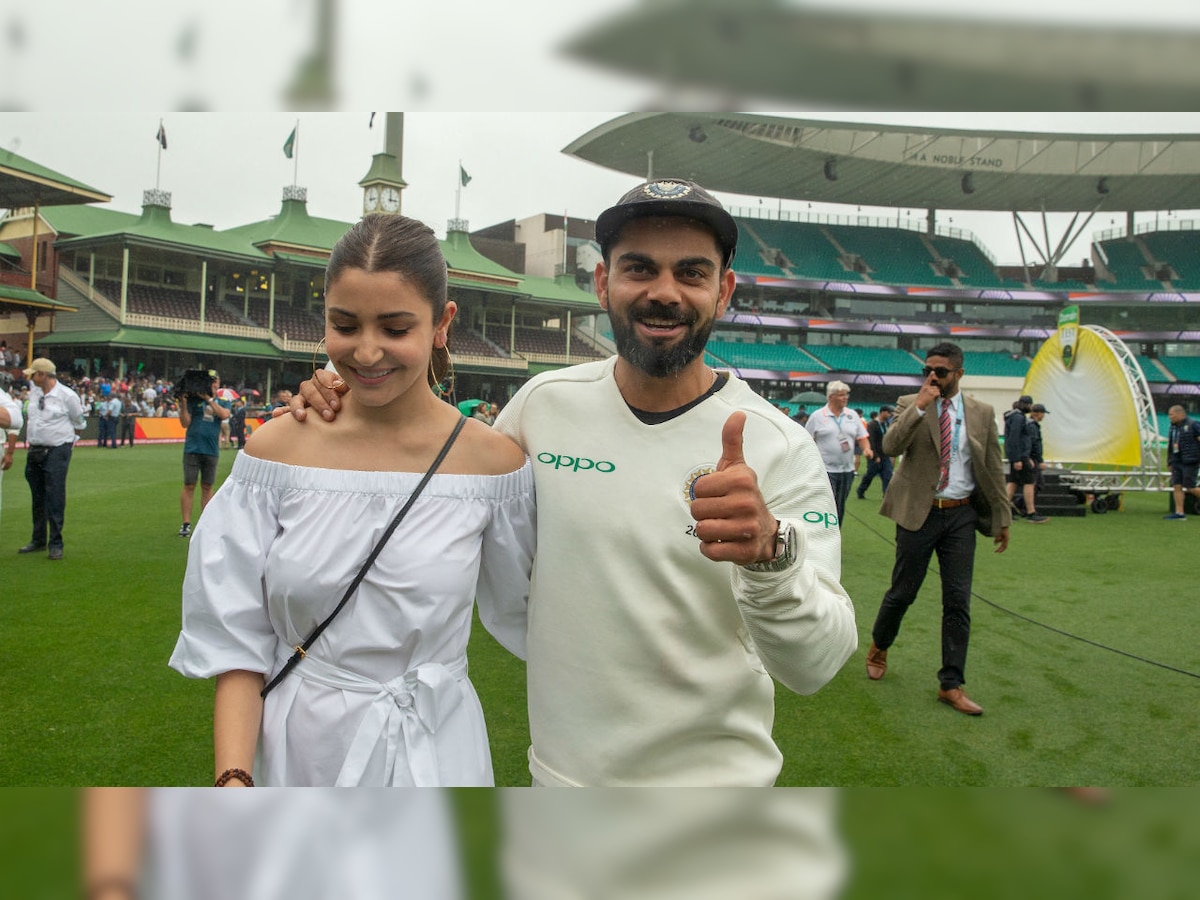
(556, 359)
(495, 362)
(1111, 234)
(171, 324)
(287, 345)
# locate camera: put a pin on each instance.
(194, 383)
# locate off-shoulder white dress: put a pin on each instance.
(382, 698)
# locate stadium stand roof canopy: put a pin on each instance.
(26, 183)
(897, 166)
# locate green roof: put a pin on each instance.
(154, 227)
(488, 287)
(155, 339)
(460, 255)
(29, 297)
(9, 250)
(560, 290)
(85, 220)
(384, 167)
(25, 183)
(293, 226)
(301, 259)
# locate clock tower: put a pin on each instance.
(383, 183)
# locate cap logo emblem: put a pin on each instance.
(666, 190)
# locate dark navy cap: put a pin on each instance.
(669, 197)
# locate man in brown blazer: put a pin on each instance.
(949, 483)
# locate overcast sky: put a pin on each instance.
(228, 169)
(94, 66)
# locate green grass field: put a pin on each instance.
(903, 844)
(1083, 653)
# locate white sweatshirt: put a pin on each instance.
(648, 663)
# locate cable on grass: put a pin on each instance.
(1004, 609)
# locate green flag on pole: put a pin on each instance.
(289, 144)
(462, 174)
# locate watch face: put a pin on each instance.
(390, 199)
(371, 198)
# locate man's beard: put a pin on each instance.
(654, 359)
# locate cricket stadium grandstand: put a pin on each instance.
(819, 297)
(109, 292)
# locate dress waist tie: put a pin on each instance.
(409, 708)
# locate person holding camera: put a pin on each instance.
(201, 417)
(55, 415)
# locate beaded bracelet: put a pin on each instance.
(240, 774)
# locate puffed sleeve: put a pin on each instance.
(506, 561)
(225, 619)
(16, 420)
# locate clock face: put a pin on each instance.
(371, 199)
(390, 199)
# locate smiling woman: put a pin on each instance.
(379, 695)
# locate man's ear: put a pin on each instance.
(725, 294)
(601, 278)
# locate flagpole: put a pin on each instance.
(296, 155)
(158, 170)
(458, 191)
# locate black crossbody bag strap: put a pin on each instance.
(302, 650)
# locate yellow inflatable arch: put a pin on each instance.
(1097, 406)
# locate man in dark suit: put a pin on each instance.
(881, 463)
(949, 482)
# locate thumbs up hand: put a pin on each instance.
(732, 519)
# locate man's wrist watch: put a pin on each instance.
(785, 550)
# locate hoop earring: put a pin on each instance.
(316, 353)
(434, 381)
(338, 381)
(449, 371)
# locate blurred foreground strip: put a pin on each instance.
(987, 59)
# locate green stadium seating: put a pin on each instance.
(1181, 250)
(1151, 371)
(1185, 368)
(976, 269)
(895, 255)
(996, 364)
(780, 357)
(1125, 262)
(881, 360)
(810, 253)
